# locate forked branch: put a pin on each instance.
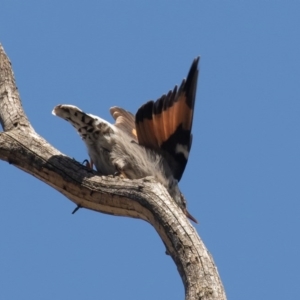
(23, 148)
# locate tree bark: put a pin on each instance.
(146, 199)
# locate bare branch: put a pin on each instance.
(11, 111)
(22, 147)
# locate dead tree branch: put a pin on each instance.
(22, 147)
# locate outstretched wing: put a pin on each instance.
(165, 125)
(124, 121)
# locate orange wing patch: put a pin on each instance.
(124, 121)
(165, 125)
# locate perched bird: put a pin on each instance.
(155, 142)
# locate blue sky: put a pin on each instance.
(242, 178)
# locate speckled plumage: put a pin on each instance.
(156, 142)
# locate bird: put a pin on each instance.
(156, 141)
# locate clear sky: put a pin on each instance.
(242, 178)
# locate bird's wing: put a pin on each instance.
(124, 121)
(165, 125)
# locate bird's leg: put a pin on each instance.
(88, 164)
(119, 172)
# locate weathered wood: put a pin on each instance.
(22, 147)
